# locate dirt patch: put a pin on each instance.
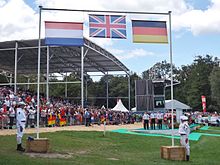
(112, 159)
(53, 155)
(49, 155)
(5, 132)
(81, 152)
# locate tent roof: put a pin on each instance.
(176, 105)
(120, 107)
(62, 58)
(103, 107)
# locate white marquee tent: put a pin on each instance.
(176, 105)
(103, 107)
(134, 109)
(120, 107)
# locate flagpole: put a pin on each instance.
(171, 66)
(48, 72)
(107, 91)
(16, 67)
(82, 76)
(38, 72)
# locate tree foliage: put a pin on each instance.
(160, 70)
(215, 88)
(202, 77)
(195, 82)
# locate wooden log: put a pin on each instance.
(173, 152)
(40, 145)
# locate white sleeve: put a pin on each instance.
(19, 118)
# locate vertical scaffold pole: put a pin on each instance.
(38, 73)
(171, 66)
(107, 91)
(129, 92)
(48, 67)
(16, 67)
(82, 77)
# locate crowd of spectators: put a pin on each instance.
(55, 111)
(60, 112)
(156, 118)
(207, 118)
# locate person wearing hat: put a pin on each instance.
(184, 131)
(21, 120)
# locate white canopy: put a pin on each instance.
(120, 107)
(103, 107)
(176, 105)
(134, 109)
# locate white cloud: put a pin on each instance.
(200, 21)
(116, 51)
(146, 5)
(2, 3)
(20, 21)
(130, 54)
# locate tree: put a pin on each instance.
(118, 87)
(160, 70)
(215, 88)
(3, 78)
(195, 81)
(180, 91)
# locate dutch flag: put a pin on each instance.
(64, 33)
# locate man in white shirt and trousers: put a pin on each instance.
(184, 131)
(152, 123)
(146, 117)
(20, 123)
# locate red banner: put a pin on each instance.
(203, 103)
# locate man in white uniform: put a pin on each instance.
(184, 131)
(146, 117)
(21, 120)
(159, 120)
(152, 117)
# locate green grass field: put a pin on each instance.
(91, 148)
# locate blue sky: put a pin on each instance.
(195, 27)
(199, 4)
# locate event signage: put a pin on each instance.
(203, 103)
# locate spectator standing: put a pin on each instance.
(87, 118)
(11, 116)
(32, 112)
(43, 115)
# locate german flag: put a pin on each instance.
(149, 31)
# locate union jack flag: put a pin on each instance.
(107, 26)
